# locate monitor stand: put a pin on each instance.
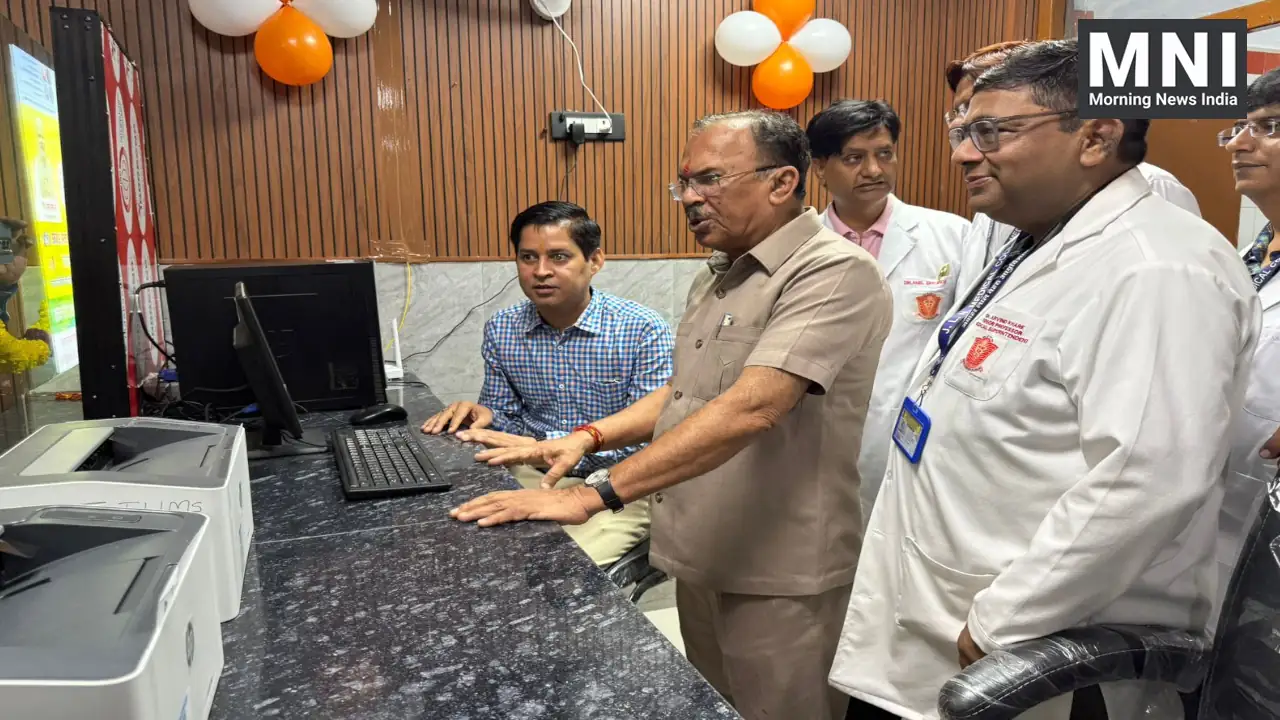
(270, 442)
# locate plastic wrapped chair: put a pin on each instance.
(633, 569)
(1237, 679)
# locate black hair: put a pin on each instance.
(779, 139)
(584, 231)
(830, 129)
(978, 61)
(1264, 91)
(1050, 69)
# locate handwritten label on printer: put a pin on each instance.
(158, 505)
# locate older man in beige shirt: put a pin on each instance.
(755, 439)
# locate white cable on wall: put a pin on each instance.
(582, 76)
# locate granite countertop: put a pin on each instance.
(390, 609)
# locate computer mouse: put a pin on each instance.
(378, 414)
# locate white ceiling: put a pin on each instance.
(1268, 39)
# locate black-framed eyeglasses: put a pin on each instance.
(708, 184)
(1262, 127)
(985, 133)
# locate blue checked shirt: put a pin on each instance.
(541, 382)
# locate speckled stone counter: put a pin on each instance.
(389, 609)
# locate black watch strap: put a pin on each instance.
(610, 498)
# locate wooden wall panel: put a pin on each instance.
(430, 132)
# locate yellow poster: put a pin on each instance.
(37, 111)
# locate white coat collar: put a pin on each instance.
(1100, 211)
(898, 240)
(1269, 295)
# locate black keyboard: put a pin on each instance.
(379, 462)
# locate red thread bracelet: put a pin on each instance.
(595, 435)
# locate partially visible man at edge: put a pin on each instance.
(753, 463)
(985, 232)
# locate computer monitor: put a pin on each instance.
(321, 319)
(269, 390)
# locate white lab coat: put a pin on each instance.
(1248, 474)
(1164, 184)
(994, 235)
(918, 244)
(1073, 472)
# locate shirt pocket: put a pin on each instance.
(922, 300)
(986, 356)
(600, 398)
(732, 345)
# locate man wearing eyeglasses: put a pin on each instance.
(921, 252)
(1060, 454)
(1254, 147)
(961, 74)
(753, 460)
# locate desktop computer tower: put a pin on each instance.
(110, 220)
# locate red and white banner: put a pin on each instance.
(135, 223)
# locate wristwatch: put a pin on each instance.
(599, 480)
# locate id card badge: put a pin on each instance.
(911, 430)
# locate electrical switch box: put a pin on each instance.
(594, 127)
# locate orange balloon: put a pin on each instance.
(783, 80)
(292, 49)
(788, 15)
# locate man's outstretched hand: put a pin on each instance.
(494, 438)
(571, 506)
(559, 456)
(460, 413)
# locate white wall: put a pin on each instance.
(444, 295)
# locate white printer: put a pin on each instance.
(144, 464)
(107, 614)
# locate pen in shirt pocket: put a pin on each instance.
(726, 320)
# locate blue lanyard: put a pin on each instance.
(1265, 274)
(1003, 267)
(1262, 274)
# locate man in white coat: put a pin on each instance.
(920, 251)
(989, 234)
(1254, 145)
(1059, 457)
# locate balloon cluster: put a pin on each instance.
(785, 45)
(292, 42)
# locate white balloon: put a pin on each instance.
(747, 38)
(233, 17)
(824, 43)
(340, 18)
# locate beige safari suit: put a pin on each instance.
(764, 547)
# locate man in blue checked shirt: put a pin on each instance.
(562, 358)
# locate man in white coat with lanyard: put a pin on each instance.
(1059, 459)
(989, 234)
(920, 251)
(1254, 145)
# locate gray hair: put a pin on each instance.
(779, 138)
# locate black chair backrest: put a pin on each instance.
(1243, 682)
